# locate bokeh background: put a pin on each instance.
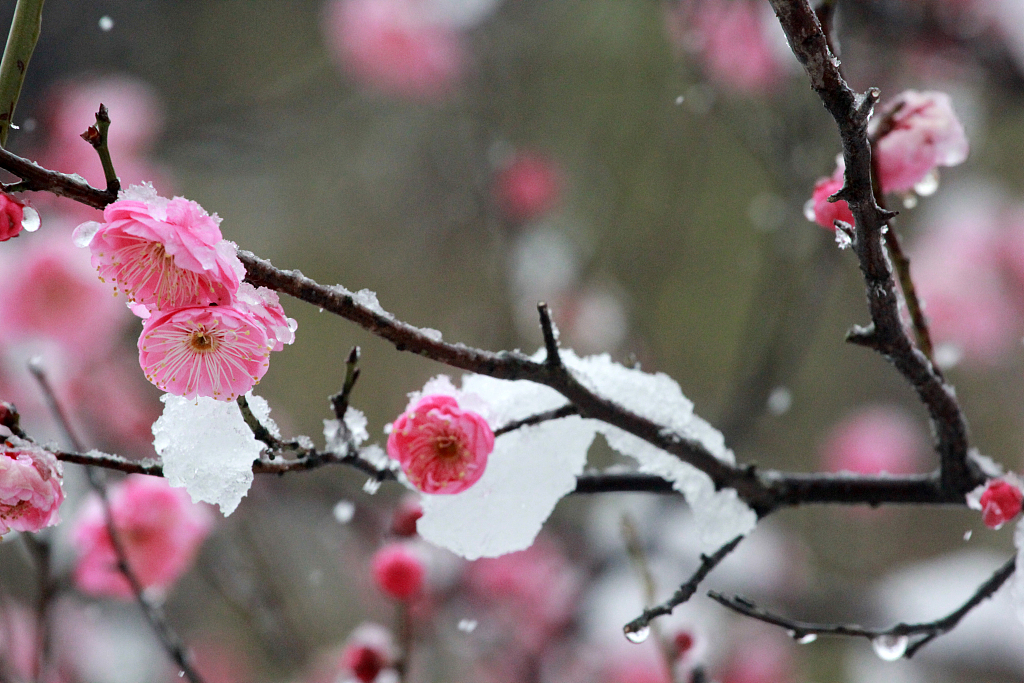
(643, 167)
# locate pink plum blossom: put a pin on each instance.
(395, 46)
(1000, 502)
(398, 571)
(528, 186)
(159, 527)
(921, 132)
(826, 213)
(30, 487)
(441, 447)
(215, 351)
(15, 216)
(873, 440)
(162, 253)
(51, 292)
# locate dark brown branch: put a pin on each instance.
(555, 414)
(550, 334)
(885, 334)
(685, 591)
(917, 635)
(339, 402)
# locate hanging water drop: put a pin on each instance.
(890, 647)
(371, 486)
(928, 185)
(29, 219)
(637, 635)
(806, 638)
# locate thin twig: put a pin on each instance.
(21, 43)
(550, 333)
(918, 634)
(638, 557)
(96, 136)
(554, 414)
(339, 402)
(685, 591)
(170, 640)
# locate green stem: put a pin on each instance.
(21, 42)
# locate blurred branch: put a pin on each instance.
(907, 637)
(555, 414)
(21, 43)
(169, 639)
(885, 334)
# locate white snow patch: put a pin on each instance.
(207, 448)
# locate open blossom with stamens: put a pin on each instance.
(441, 447)
(265, 305)
(158, 526)
(30, 487)
(215, 351)
(164, 253)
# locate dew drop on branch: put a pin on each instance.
(803, 638)
(637, 635)
(889, 648)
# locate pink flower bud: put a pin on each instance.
(164, 253)
(527, 187)
(398, 572)
(158, 526)
(30, 487)
(16, 216)
(1000, 503)
(923, 133)
(826, 213)
(441, 447)
(364, 661)
(404, 521)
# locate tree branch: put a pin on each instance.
(916, 635)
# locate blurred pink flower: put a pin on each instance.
(395, 46)
(528, 186)
(159, 527)
(873, 440)
(408, 512)
(162, 253)
(825, 213)
(50, 291)
(1000, 502)
(30, 487)
(215, 351)
(398, 571)
(733, 41)
(441, 447)
(922, 133)
(532, 592)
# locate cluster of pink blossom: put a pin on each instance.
(15, 216)
(206, 333)
(159, 528)
(738, 42)
(441, 447)
(527, 185)
(873, 440)
(411, 48)
(30, 485)
(913, 134)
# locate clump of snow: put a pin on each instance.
(354, 429)
(431, 334)
(531, 468)
(207, 448)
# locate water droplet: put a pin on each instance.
(967, 534)
(371, 486)
(928, 185)
(467, 625)
(807, 638)
(106, 23)
(344, 511)
(889, 647)
(809, 210)
(909, 200)
(29, 219)
(638, 635)
(779, 401)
